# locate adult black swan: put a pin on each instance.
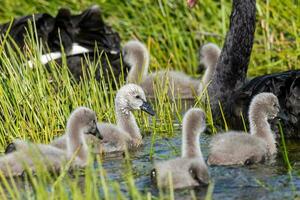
(77, 34)
(230, 87)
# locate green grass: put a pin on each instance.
(35, 103)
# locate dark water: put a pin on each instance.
(262, 181)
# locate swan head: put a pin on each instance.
(209, 54)
(132, 97)
(85, 120)
(265, 102)
(194, 120)
(134, 51)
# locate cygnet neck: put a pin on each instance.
(139, 64)
(190, 141)
(260, 127)
(75, 141)
(207, 76)
(126, 120)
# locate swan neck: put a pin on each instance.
(232, 65)
(76, 142)
(138, 68)
(206, 78)
(258, 121)
(190, 143)
(126, 121)
(260, 127)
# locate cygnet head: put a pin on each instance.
(136, 55)
(194, 121)
(266, 103)
(85, 120)
(134, 50)
(209, 54)
(132, 97)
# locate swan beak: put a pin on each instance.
(147, 108)
(191, 3)
(97, 133)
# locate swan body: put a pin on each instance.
(185, 173)
(32, 156)
(82, 121)
(240, 148)
(114, 140)
(179, 85)
(237, 148)
(190, 169)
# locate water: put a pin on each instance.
(261, 181)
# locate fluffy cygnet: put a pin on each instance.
(126, 134)
(239, 148)
(81, 122)
(180, 85)
(190, 170)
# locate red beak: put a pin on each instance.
(191, 3)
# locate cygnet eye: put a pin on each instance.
(153, 173)
(138, 96)
(191, 171)
(248, 162)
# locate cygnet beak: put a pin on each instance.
(278, 112)
(278, 109)
(147, 108)
(97, 133)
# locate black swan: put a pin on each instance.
(230, 86)
(86, 31)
